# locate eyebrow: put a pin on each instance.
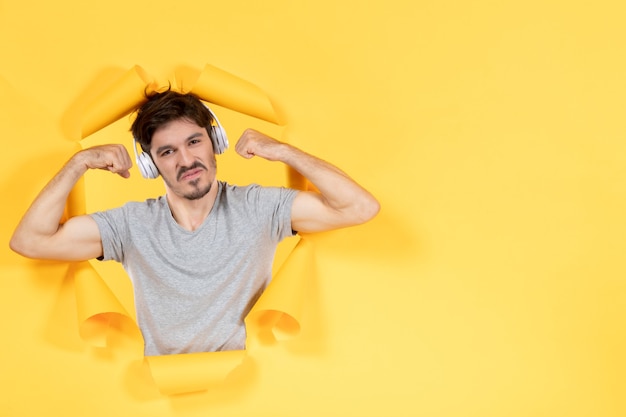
(164, 147)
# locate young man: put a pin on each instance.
(201, 255)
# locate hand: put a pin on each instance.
(254, 143)
(113, 158)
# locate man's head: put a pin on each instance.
(174, 129)
(162, 108)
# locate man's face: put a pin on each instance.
(183, 153)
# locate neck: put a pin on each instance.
(190, 214)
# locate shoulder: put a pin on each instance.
(254, 193)
(133, 209)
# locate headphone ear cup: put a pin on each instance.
(217, 134)
(146, 166)
(219, 139)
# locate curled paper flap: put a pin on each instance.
(120, 99)
(103, 320)
(192, 372)
(212, 85)
(227, 90)
(278, 312)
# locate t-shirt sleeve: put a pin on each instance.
(113, 228)
(274, 204)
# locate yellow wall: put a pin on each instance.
(492, 282)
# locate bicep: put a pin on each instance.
(78, 239)
(310, 213)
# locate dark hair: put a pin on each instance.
(162, 108)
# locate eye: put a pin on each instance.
(194, 141)
(166, 153)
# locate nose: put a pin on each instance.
(185, 158)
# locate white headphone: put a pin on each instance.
(218, 137)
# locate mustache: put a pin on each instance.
(195, 165)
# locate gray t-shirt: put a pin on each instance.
(194, 289)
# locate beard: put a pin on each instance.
(198, 192)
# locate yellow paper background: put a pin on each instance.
(492, 282)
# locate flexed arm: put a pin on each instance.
(341, 202)
(41, 235)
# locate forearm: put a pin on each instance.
(338, 191)
(40, 234)
(43, 217)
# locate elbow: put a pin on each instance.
(17, 245)
(368, 209)
(22, 247)
(373, 208)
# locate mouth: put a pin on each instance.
(190, 174)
